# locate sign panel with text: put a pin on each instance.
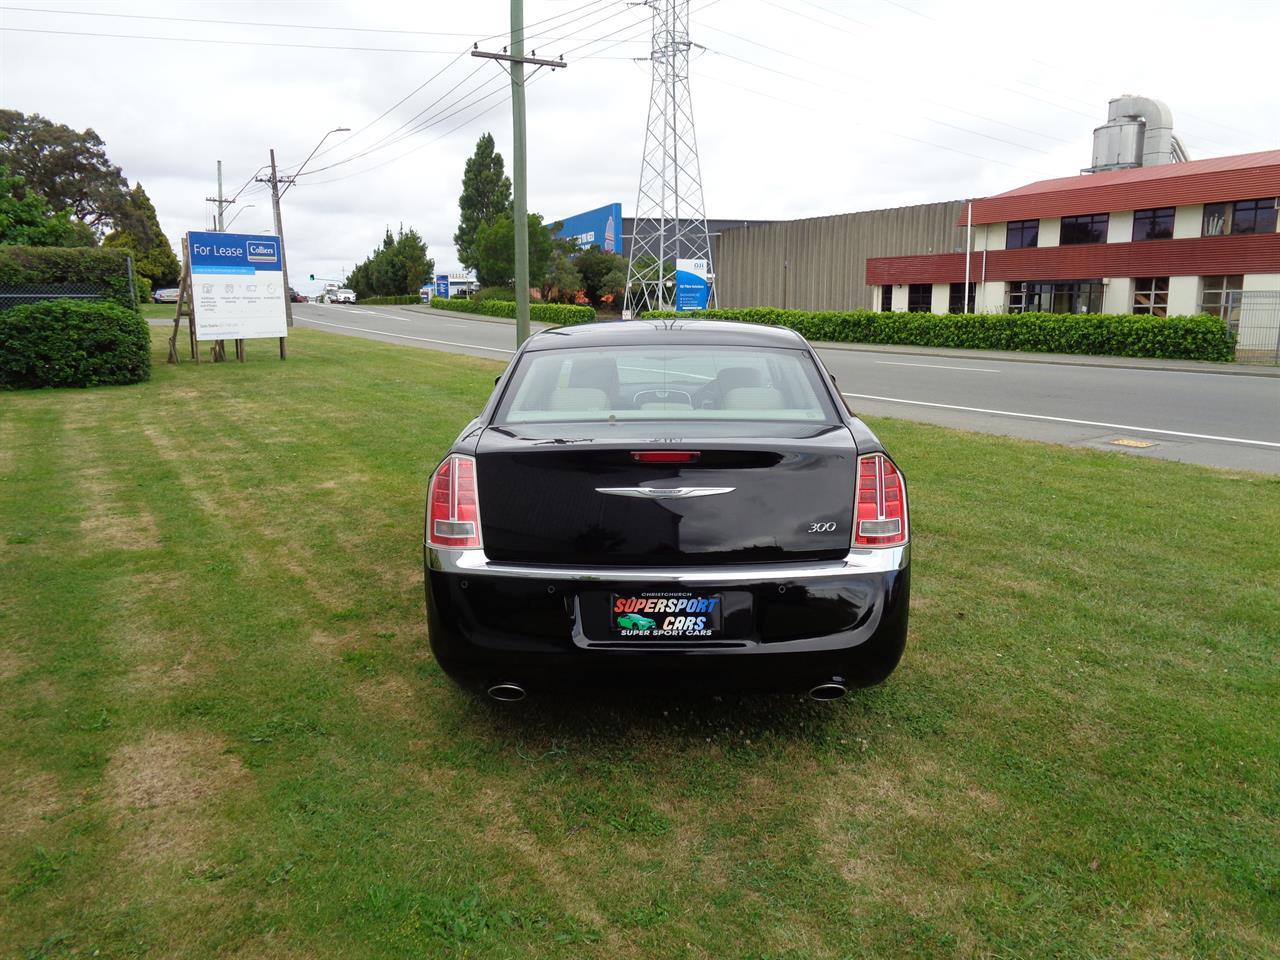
(237, 286)
(693, 284)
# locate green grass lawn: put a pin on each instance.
(222, 732)
(159, 311)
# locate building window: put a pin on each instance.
(1021, 233)
(1029, 297)
(1090, 228)
(1078, 296)
(1254, 216)
(1071, 296)
(1153, 224)
(1151, 296)
(1214, 223)
(956, 302)
(1216, 296)
(920, 298)
(886, 297)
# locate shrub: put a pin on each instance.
(87, 268)
(1201, 337)
(383, 301)
(563, 314)
(72, 343)
(494, 293)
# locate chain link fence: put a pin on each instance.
(1254, 317)
(18, 294)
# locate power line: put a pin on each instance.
(390, 139)
(229, 43)
(427, 143)
(444, 113)
(891, 133)
(285, 26)
(866, 79)
(456, 106)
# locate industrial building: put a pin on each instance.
(1141, 230)
(605, 227)
(1171, 239)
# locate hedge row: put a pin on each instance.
(559, 313)
(385, 301)
(95, 268)
(1201, 337)
(73, 343)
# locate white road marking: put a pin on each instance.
(401, 336)
(939, 366)
(1082, 423)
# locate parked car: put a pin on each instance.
(296, 297)
(702, 476)
(342, 296)
(165, 295)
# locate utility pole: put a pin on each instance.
(222, 205)
(274, 180)
(519, 165)
(519, 172)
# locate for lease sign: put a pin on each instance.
(237, 285)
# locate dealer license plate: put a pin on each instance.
(665, 616)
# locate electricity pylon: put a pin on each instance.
(670, 218)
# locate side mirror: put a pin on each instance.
(496, 379)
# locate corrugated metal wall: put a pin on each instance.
(821, 263)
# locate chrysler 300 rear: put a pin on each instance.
(669, 505)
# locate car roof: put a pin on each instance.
(615, 333)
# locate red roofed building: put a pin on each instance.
(1166, 240)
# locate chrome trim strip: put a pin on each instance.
(664, 493)
(870, 560)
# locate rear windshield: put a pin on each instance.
(665, 383)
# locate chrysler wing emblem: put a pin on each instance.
(664, 493)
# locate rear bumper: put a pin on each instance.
(798, 624)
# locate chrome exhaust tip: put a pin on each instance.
(507, 692)
(831, 690)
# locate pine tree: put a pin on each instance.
(486, 196)
(139, 231)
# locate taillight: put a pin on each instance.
(453, 513)
(665, 456)
(880, 504)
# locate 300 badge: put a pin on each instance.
(670, 615)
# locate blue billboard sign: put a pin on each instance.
(693, 285)
(601, 227)
(442, 285)
(226, 253)
(237, 285)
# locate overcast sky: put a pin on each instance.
(803, 107)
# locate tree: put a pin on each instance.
(486, 195)
(69, 168)
(139, 231)
(397, 268)
(27, 219)
(495, 252)
(604, 275)
(562, 281)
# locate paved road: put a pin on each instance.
(1205, 418)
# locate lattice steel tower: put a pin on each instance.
(670, 219)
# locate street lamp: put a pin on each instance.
(240, 211)
(294, 179)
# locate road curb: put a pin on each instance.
(1058, 359)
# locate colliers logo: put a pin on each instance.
(261, 251)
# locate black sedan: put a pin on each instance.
(667, 504)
